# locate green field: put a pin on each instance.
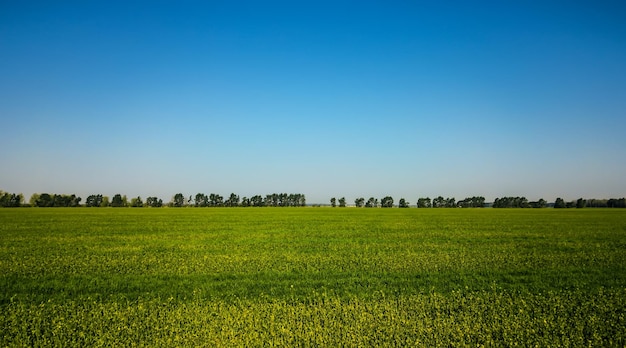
(312, 277)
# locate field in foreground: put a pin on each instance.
(312, 277)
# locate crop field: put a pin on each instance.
(312, 277)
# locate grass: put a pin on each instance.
(312, 276)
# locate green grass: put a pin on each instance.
(312, 276)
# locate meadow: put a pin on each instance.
(312, 277)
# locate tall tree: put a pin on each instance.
(232, 201)
(136, 202)
(178, 200)
(423, 202)
(117, 201)
(559, 203)
(359, 202)
(342, 202)
(333, 202)
(154, 202)
(386, 202)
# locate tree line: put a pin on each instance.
(290, 200)
(178, 200)
(479, 202)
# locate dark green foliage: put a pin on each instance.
(511, 202)
(386, 202)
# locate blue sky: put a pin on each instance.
(354, 99)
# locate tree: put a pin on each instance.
(136, 202)
(178, 200)
(8, 200)
(201, 200)
(439, 202)
(371, 203)
(232, 201)
(403, 203)
(581, 203)
(105, 201)
(541, 203)
(154, 202)
(359, 202)
(511, 202)
(257, 201)
(559, 203)
(44, 200)
(342, 202)
(386, 202)
(472, 202)
(93, 201)
(424, 203)
(333, 202)
(117, 201)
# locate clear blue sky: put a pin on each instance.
(325, 98)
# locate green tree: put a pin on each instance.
(581, 203)
(117, 201)
(93, 201)
(154, 202)
(403, 203)
(178, 200)
(424, 202)
(136, 202)
(359, 202)
(559, 203)
(333, 202)
(105, 201)
(386, 202)
(232, 201)
(342, 202)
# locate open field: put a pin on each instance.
(312, 276)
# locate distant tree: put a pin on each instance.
(386, 202)
(403, 203)
(581, 203)
(472, 202)
(136, 202)
(559, 203)
(44, 200)
(616, 203)
(257, 201)
(541, 203)
(201, 200)
(117, 201)
(424, 203)
(450, 203)
(342, 202)
(245, 202)
(93, 201)
(178, 200)
(34, 198)
(11, 200)
(105, 201)
(333, 202)
(371, 203)
(439, 202)
(216, 200)
(154, 202)
(232, 201)
(511, 202)
(359, 202)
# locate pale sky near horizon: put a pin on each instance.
(325, 98)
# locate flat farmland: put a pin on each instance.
(312, 277)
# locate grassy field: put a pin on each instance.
(312, 277)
